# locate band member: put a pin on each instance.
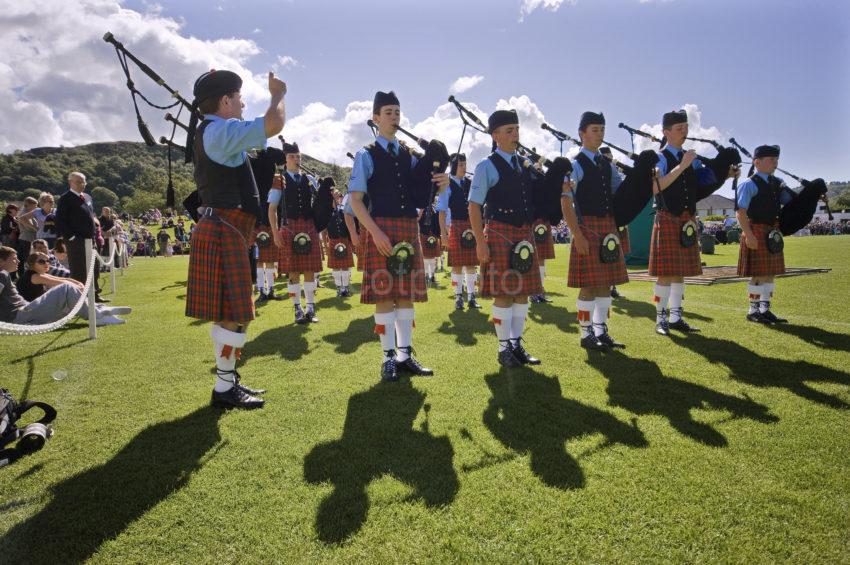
(596, 259)
(683, 180)
(761, 257)
(459, 237)
(357, 237)
(264, 164)
(340, 259)
(219, 281)
(509, 269)
(429, 231)
(393, 277)
(291, 199)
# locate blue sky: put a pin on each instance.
(761, 71)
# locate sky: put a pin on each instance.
(762, 71)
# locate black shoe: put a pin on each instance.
(412, 366)
(682, 326)
(273, 296)
(260, 299)
(389, 370)
(99, 300)
(346, 292)
(237, 381)
(459, 302)
(235, 398)
(472, 303)
(534, 299)
(338, 292)
(592, 343)
(310, 315)
(610, 341)
(543, 299)
(662, 327)
(508, 359)
(758, 318)
(614, 292)
(300, 318)
(522, 355)
(773, 318)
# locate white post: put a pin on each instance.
(90, 305)
(114, 260)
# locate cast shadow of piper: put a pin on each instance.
(360, 331)
(639, 386)
(528, 415)
(378, 439)
(749, 367)
(466, 326)
(98, 504)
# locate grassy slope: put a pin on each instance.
(730, 445)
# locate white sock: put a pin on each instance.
(661, 297)
(519, 313)
(754, 291)
(225, 344)
(430, 266)
(585, 310)
(600, 314)
(294, 292)
(766, 294)
(337, 278)
(310, 292)
(456, 283)
(346, 277)
(543, 275)
(270, 279)
(261, 280)
(403, 332)
(677, 295)
(503, 321)
(469, 280)
(385, 328)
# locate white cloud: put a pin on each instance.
(462, 84)
(48, 101)
(286, 62)
(528, 6)
(695, 129)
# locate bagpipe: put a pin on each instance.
(434, 160)
(797, 214)
(636, 189)
(322, 202)
(124, 55)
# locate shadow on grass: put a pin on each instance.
(289, 341)
(359, 332)
(96, 505)
(336, 302)
(546, 313)
(465, 325)
(378, 439)
(176, 284)
(641, 309)
(816, 336)
(639, 386)
(749, 367)
(528, 415)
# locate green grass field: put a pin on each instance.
(727, 446)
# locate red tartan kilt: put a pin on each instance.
(546, 248)
(219, 281)
(761, 262)
(667, 257)
(379, 285)
(588, 270)
(624, 240)
(458, 255)
(431, 253)
(339, 264)
(360, 250)
(497, 276)
(290, 262)
(269, 253)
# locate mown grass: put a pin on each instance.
(729, 445)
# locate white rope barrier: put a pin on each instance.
(88, 292)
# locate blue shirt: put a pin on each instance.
(363, 167)
(704, 174)
(275, 194)
(443, 197)
(486, 176)
(748, 189)
(578, 173)
(226, 141)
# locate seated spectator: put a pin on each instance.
(61, 252)
(56, 269)
(53, 304)
(163, 238)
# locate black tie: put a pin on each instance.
(297, 177)
(679, 155)
(598, 160)
(391, 150)
(515, 164)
